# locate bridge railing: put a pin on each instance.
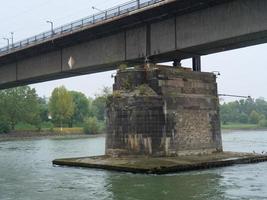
(79, 24)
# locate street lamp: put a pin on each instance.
(7, 39)
(12, 38)
(138, 4)
(52, 26)
(94, 8)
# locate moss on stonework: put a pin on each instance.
(122, 67)
(145, 90)
(141, 90)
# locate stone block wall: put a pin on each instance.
(163, 112)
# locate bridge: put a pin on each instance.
(132, 33)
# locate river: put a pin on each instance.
(26, 173)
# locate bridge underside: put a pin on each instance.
(166, 32)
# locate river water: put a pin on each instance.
(26, 173)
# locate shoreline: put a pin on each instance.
(31, 135)
(240, 126)
(242, 129)
(18, 136)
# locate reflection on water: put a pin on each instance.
(26, 173)
(197, 185)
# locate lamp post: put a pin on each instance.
(94, 8)
(138, 4)
(12, 38)
(7, 39)
(102, 11)
(52, 26)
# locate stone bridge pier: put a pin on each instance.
(163, 111)
(163, 120)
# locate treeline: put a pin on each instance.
(21, 106)
(249, 111)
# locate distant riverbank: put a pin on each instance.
(42, 135)
(242, 127)
(72, 133)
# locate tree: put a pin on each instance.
(19, 105)
(261, 106)
(98, 105)
(230, 112)
(4, 126)
(81, 108)
(91, 126)
(61, 106)
(244, 111)
(43, 109)
(254, 117)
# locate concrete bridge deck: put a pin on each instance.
(162, 31)
(142, 10)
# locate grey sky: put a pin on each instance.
(242, 70)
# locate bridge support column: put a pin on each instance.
(196, 63)
(177, 63)
(163, 111)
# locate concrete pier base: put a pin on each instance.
(162, 165)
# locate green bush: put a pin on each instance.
(263, 123)
(21, 126)
(4, 127)
(47, 126)
(91, 126)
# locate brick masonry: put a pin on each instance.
(163, 111)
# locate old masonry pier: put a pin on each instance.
(163, 111)
(161, 120)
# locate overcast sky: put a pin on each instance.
(243, 71)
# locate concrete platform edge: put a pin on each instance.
(161, 169)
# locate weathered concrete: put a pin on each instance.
(163, 32)
(163, 111)
(152, 165)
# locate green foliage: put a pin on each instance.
(61, 106)
(142, 89)
(22, 126)
(127, 84)
(243, 118)
(47, 126)
(91, 126)
(81, 108)
(19, 105)
(73, 130)
(263, 123)
(43, 103)
(116, 94)
(4, 127)
(122, 67)
(98, 105)
(244, 111)
(254, 117)
(22, 110)
(237, 126)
